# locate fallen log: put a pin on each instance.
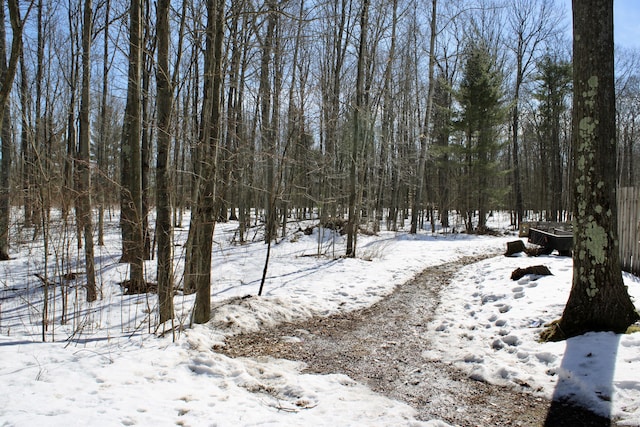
(538, 270)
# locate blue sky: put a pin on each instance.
(626, 22)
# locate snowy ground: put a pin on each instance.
(107, 364)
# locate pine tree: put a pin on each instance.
(480, 99)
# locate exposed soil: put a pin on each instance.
(381, 346)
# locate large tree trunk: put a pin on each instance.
(599, 300)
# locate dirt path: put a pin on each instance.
(381, 346)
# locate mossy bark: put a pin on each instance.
(599, 300)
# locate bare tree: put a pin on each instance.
(131, 158)
(426, 125)
(530, 23)
(102, 137)
(164, 229)
(358, 131)
(200, 241)
(7, 147)
(84, 170)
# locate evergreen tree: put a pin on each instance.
(480, 100)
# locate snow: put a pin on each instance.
(110, 364)
(492, 333)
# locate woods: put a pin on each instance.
(355, 113)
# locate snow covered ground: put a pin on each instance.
(106, 364)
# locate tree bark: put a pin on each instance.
(358, 134)
(199, 246)
(102, 139)
(164, 229)
(7, 75)
(131, 159)
(599, 300)
(5, 166)
(84, 170)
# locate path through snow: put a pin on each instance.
(383, 347)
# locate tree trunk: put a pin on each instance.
(358, 134)
(419, 183)
(199, 247)
(5, 165)
(102, 139)
(267, 122)
(131, 159)
(7, 75)
(26, 149)
(147, 128)
(599, 300)
(84, 171)
(164, 230)
(387, 125)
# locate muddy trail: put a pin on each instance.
(381, 346)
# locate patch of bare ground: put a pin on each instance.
(381, 346)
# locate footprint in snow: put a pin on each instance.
(503, 308)
(501, 322)
(511, 340)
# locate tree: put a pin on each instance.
(480, 99)
(131, 158)
(554, 84)
(103, 137)
(358, 132)
(599, 300)
(164, 230)
(5, 165)
(417, 196)
(531, 22)
(200, 241)
(269, 115)
(7, 74)
(84, 182)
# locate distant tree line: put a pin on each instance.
(369, 112)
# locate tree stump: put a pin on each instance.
(515, 247)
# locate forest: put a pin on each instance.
(361, 114)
